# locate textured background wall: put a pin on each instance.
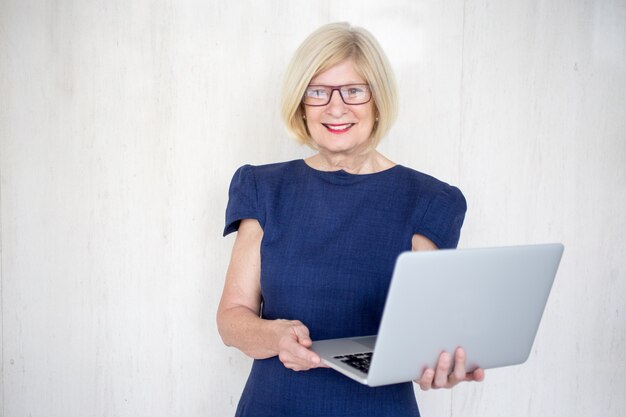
(121, 124)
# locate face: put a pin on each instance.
(338, 127)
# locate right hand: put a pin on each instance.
(293, 346)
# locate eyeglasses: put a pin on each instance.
(352, 94)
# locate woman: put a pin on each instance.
(317, 238)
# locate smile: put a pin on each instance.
(334, 128)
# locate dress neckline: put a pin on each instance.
(344, 177)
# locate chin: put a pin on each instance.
(337, 149)
(335, 144)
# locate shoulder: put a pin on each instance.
(428, 186)
(439, 208)
(268, 171)
(276, 167)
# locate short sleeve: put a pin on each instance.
(444, 217)
(242, 199)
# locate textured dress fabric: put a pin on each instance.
(330, 241)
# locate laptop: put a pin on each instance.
(488, 301)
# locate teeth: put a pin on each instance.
(339, 127)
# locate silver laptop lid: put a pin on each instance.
(489, 301)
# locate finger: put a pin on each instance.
(426, 381)
(294, 362)
(299, 364)
(301, 333)
(322, 364)
(297, 357)
(314, 359)
(459, 374)
(477, 375)
(442, 370)
(304, 355)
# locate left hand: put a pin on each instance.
(441, 377)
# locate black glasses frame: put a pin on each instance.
(334, 88)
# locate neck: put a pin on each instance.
(366, 163)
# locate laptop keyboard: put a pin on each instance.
(360, 361)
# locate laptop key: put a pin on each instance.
(360, 361)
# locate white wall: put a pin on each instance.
(121, 124)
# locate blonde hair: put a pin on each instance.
(326, 47)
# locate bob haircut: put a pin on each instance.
(326, 47)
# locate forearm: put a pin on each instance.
(243, 329)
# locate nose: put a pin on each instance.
(336, 107)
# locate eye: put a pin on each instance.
(355, 91)
(316, 92)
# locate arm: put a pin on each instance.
(238, 318)
(441, 377)
(420, 242)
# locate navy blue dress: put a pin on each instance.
(330, 241)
